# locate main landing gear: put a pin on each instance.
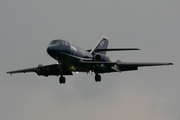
(98, 78)
(62, 80)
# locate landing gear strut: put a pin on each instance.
(62, 80)
(98, 78)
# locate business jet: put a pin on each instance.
(71, 58)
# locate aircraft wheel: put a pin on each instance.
(98, 78)
(62, 80)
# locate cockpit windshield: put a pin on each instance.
(58, 42)
(53, 42)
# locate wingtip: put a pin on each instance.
(9, 73)
(170, 64)
(135, 49)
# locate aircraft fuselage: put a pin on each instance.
(72, 58)
(70, 55)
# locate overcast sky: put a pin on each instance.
(28, 26)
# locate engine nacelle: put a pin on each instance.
(101, 57)
(41, 70)
(40, 65)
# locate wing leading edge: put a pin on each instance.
(139, 64)
(143, 64)
(120, 66)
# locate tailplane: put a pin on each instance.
(102, 44)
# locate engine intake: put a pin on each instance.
(101, 57)
(97, 57)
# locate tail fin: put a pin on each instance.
(102, 44)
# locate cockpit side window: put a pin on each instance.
(53, 42)
(65, 43)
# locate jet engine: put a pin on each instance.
(41, 70)
(101, 57)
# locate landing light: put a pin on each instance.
(77, 72)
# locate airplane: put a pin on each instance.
(71, 58)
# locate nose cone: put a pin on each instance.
(51, 50)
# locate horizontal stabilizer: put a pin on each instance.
(117, 49)
(114, 49)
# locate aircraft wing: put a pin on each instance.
(105, 67)
(53, 69)
(142, 64)
(23, 70)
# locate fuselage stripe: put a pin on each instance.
(76, 56)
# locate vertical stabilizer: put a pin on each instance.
(102, 44)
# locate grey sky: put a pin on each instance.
(27, 27)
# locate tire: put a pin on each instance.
(98, 78)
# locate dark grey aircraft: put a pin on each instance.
(74, 59)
